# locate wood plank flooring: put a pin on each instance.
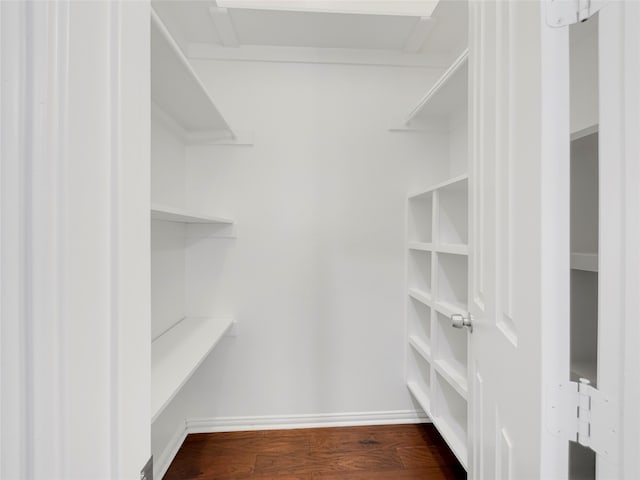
(388, 452)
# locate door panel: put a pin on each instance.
(519, 115)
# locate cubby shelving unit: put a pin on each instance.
(187, 114)
(177, 353)
(437, 269)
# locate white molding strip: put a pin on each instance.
(259, 53)
(287, 422)
(162, 463)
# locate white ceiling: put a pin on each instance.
(203, 22)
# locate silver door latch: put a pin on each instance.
(460, 321)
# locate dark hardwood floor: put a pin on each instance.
(389, 452)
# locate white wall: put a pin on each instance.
(315, 277)
(168, 177)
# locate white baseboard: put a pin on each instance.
(282, 422)
(278, 422)
(162, 463)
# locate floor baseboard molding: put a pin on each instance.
(162, 463)
(278, 422)
(283, 422)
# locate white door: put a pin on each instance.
(520, 407)
(518, 288)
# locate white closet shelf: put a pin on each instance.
(176, 90)
(422, 297)
(423, 349)
(453, 377)
(421, 397)
(451, 182)
(447, 308)
(423, 246)
(455, 439)
(584, 261)
(171, 214)
(452, 248)
(447, 96)
(177, 353)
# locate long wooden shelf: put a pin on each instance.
(172, 214)
(176, 90)
(177, 353)
(447, 96)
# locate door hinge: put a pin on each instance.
(587, 416)
(561, 13)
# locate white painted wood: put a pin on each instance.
(419, 34)
(420, 396)
(177, 353)
(437, 278)
(420, 346)
(447, 96)
(224, 26)
(402, 7)
(628, 105)
(619, 68)
(315, 55)
(459, 179)
(420, 296)
(74, 240)
(519, 259)
(449, 415)
(176, 88)
(172, 214)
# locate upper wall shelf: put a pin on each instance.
(177, 353)
(170, 214)
(176, 90)
(447, 96)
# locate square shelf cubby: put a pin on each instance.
(420, 272)
(418, 370)
(420, 218)
(419, 316)
(452, 281)
(453, 214)
(450, 416)
(450, 356)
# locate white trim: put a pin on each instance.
(163, 462)
(345, 56)
(286, 422)
(410, 8)
(419, 34)
(224, 26)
